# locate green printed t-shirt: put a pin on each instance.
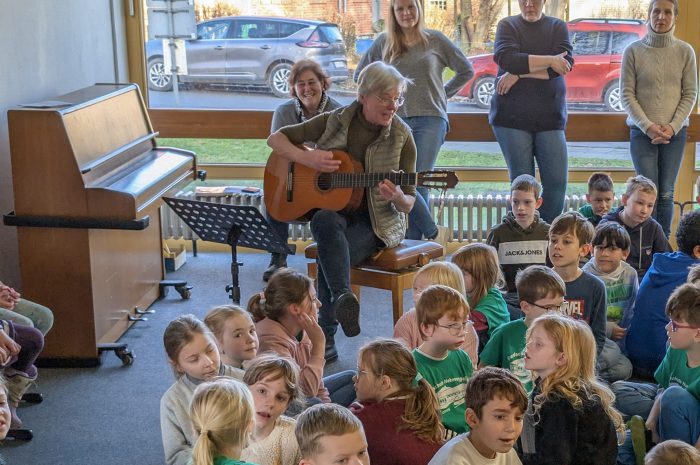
(506, 349)
(674, 370)
(221, 460)
(449, 379)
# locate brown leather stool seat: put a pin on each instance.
(391, 269)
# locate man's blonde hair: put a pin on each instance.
(323, 420)
(438, 300)
(640, 183)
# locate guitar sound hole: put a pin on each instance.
(324, 181)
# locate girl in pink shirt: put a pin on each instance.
(286, 320)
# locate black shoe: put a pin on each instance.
(277, 261)
(347, 311)
(331, 353)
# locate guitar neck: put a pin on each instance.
(344, 180)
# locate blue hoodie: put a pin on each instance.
(647, 239)
(645, 341)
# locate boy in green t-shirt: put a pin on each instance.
(540, 290)
(443, 317)
(600, 197)
(671, 408)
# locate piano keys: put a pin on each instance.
(88, 180)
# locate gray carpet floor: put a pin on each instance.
(110, 414)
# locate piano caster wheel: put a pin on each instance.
(21, 434)
(185, 291)
(126, 356)
(180, 286)
(33, 398)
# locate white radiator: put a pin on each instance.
(174, 228)
(470, 218)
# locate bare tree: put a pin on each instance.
(479, 18)
(556, 8)
(634, 9)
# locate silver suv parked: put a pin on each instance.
(252, 51)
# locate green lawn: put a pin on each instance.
(257, 151)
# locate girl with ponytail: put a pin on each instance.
(397, 407)
(222, 415)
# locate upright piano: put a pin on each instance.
(88, 180)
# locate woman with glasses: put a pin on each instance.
(528, 109)
(659, 86)
(421, 55)
(307, 85)
(368, 131)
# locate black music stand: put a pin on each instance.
(233, 225)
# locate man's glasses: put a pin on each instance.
(675, 327)
(389, 101)
(456, 329)
(550, 308)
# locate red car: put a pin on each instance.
(595, 78)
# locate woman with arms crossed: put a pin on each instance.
(528, 110)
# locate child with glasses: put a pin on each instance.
(397, 407)
(443, 319)
(671, 407)
(540, 291)
(611, 245)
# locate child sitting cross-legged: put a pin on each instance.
(611, 245)
(222, 418)
(446, 273)
(540, 291)
(329, 434)
(194, 357)
(482, 280)
(443, 318)
(496, 403)
(398, 409)
(235, 334)
(671, 407)
(570, 419)
(287, 308)
(274, 382)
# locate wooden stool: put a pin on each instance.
(391, 269)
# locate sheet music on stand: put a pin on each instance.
(233, 225)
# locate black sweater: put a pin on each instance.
(566, 436)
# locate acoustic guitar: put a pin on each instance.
(293, 192)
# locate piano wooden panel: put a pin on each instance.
(93, 159)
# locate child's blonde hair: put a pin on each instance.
(438, 300)
(694, 274)
(222, 416)
(323, 420)
(286, 287)
(388, 357)
(575, 379)
(271, 364)
(216, 318)
(445, 273)
(640, 183)
(481, 262)
(672, 452)
(179, 333)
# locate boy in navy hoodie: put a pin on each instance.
(635, 215)
(645, 341)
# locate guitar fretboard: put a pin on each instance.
(344, 180)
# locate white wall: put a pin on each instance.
(49, 48)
